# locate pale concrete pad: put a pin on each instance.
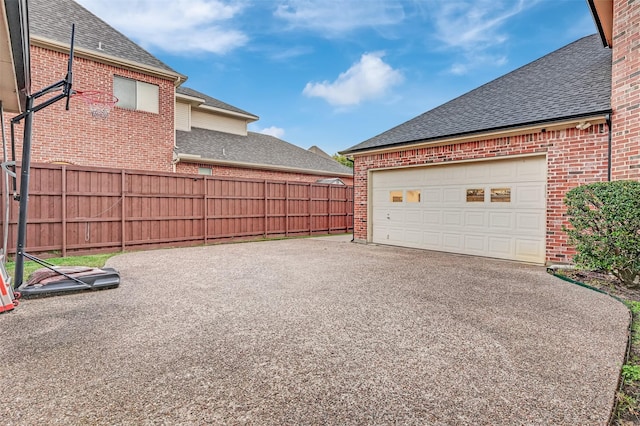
(315, 331)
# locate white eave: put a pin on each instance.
(190, 99)
(190, 158)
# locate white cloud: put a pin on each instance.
(474, 27)
(335, 17)
(177, 26)
(273, 131)
(476, 60)
(472, 24)
(370, 78)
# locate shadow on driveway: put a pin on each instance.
(315, 331)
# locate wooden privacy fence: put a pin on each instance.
(81, 210)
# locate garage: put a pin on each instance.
(491, 208)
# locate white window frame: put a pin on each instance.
(136, 95)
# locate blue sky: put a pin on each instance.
(335, 73)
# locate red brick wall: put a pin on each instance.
(126, 139)
(625, 96)
(192, 168)
(573, 158)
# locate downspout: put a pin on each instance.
(608, 120)
(353, 202)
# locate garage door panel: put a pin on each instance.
(452, 241)
(475, 218)
(501, 247)
(452, 217)
(413, 237)
(531, 221)
(380, 196)
(432, 217)
(501, 172)
(414, 217)
(452, 195)
(432, 196)
(502, 221)
(509, 221)
(529, 196)
(529, 250)
(474, 244)
(531, 170)
(432, 239)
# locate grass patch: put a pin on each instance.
(95, 260)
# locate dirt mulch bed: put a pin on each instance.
(603, 281)
(628, 399)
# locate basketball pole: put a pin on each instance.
(24, 193)
(65, 85)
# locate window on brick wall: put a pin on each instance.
(204, 171)
(137, 95)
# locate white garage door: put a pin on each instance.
(489, 208)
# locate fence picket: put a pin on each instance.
(163, 209)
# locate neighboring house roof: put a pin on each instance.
(52, 19)
(331, 181)
(572, 82)
(254, 150)
(320, 152)
(211, 102)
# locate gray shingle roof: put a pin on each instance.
(255, 148)
(212, 102)
(52, 19)
(570, 82)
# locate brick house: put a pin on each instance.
(107, 61)
(212, 139)
(486, 173)
(140, 132)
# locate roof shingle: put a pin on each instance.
(570, 82)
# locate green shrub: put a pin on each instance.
(605, 228)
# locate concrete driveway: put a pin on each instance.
(315, 331)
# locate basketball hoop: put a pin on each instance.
(100, 103)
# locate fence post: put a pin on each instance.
(286, 209)
(123, 210)
(205, 209)
(329, 207)
(310, 218)
(64, 211)
(266, 207)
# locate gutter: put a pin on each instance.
(191, 158)
(608, 119)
